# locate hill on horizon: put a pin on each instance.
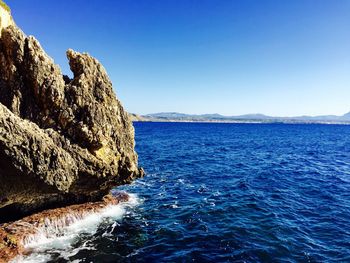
(215, 117)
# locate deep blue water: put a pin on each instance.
(235, 193)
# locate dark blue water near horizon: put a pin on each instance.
(236, 193)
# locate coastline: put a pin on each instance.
(17, 235)
(247, 119)
(245, 122)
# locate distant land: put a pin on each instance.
(247, 118)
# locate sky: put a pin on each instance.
(276, 57)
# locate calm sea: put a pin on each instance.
(227, 193)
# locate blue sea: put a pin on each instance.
(229, 193)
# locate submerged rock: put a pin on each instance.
(62, 141)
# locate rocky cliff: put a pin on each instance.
(62, 141)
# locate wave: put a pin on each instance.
(58, 237)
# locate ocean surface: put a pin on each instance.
(224, 193)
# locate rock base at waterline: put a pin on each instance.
(15, 235)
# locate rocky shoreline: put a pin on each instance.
(16, 235)
(64, 142)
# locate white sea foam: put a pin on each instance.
(58, 238)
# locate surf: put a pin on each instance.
(59, 234)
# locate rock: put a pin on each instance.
(135, 117)
(5, 16)
(15, 236)
(62, 141)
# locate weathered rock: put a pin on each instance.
(15, 236)
(62, 141)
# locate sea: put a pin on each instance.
(217, 192)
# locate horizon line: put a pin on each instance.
(237, 115)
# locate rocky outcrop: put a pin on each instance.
(62, 141)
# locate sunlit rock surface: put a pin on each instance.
(62, 141)
(5, 16)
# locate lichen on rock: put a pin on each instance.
(62, 140)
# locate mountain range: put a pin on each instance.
(182, 117)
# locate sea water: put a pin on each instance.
(224, 193)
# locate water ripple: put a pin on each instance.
(234, 193)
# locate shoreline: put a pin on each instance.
(15, 236)
(244, 122)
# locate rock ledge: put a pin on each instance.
(15, 236)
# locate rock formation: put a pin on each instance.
(62, 141)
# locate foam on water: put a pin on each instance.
(57, 238)
(244, 193)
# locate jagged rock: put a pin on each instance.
(62, 140)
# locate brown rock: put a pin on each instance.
(14, 236)
(62, 141)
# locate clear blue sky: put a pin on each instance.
(206, 56)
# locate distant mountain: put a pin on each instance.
(346, 116)
(169, 115)
(176, 116)
(256, 116)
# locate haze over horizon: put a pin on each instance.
(250, 113)
(278, 58)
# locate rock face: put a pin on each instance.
(62, 140)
